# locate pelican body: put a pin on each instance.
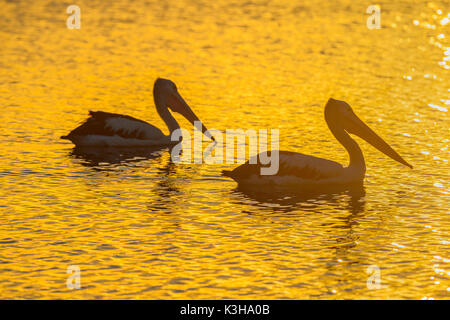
(296, 169)
(117, 130)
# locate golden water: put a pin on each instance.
(142, 227)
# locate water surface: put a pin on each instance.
(139, 226)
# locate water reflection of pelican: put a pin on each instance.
(301, 171)
(106, 129)
(95, 157)
(284, 202)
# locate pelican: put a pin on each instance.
(309, 171)
(116, 130)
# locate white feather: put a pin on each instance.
(127, 125)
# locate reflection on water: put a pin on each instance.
(283, 202)
(140, 226)
(95, 157)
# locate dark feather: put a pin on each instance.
(96, 125)
(304, 171)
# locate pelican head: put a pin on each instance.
(341, 114)
(166, 94)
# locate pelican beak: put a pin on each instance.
(178, 104)
(356, 126)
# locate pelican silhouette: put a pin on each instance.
(317, 173)
(116, 130)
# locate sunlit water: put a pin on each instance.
(139, 226)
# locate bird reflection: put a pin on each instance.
(102, 158)
(165, 189)
(281, 202)
(112, 159)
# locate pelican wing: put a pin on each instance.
(113, 124)
(307, 167)
(291, 164)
